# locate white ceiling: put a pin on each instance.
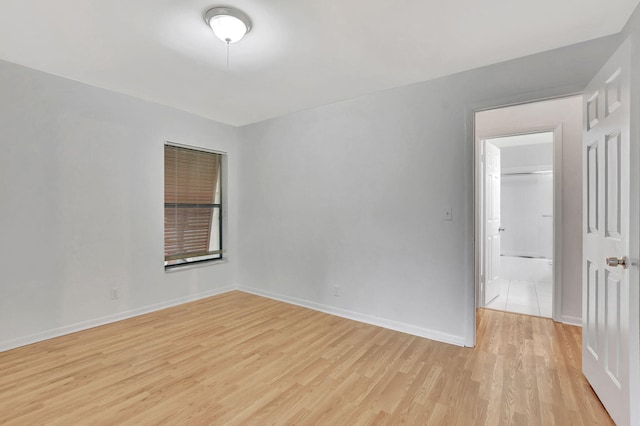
(300, 53)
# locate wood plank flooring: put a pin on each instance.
(242, 359)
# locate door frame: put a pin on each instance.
(556, 312)
(470, 176)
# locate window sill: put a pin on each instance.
(196, 265)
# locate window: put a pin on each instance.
(192, 206)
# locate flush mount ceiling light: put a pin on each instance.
(228, 24)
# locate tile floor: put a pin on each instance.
(524, 297)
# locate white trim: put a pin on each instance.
(360, 317)
(577, 321)
(558, 217)
(193, 265)
(195, 148)
(85, 325)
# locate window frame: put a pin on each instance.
(220, 206)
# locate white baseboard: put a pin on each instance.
(364, 318)
(566, 319)
(84, 325)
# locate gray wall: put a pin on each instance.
(353, 194)
(82, 181)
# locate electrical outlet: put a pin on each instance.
(114, 293)
(336, 290)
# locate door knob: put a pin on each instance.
(501, 229)
(614, 261)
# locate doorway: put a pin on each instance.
(518, 210)
(550, 262)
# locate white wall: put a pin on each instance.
(548, 115)
(81, 193)
(526, 157)
(526, 214)
(526, 200)
(353, 195)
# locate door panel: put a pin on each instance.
(592, 111)
(612, 326)
(492, 221)
(592, 188)
(612, 185)
(613, 93)
(607, 189)
(591, 315)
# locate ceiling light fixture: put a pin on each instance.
(228, 24)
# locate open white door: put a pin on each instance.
(491, 221)
(610, 306)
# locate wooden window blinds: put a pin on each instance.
(192, 206)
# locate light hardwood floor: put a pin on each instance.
(238, 358)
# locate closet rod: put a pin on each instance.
(541, 172)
